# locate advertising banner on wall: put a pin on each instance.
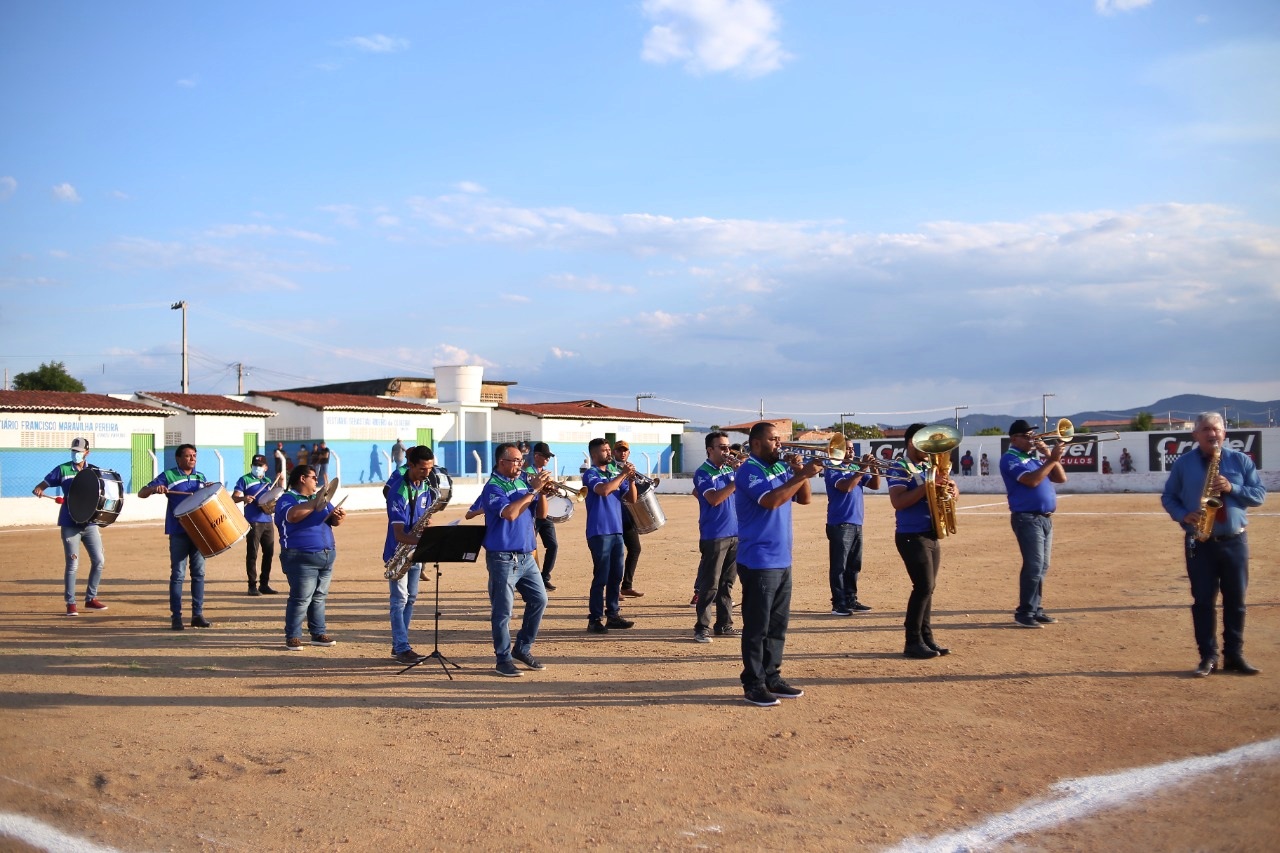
(888, 449)
(1165, 447)
(1080, 457)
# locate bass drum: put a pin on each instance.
(646, 512)
(211, 519)
(96, 496)
(559, 509)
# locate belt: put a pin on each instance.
(1038, 514)
(1226, 537)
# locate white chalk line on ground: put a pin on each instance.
(1076, 798)
(42, 836)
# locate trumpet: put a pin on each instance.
(1066, 431)
(557, 487)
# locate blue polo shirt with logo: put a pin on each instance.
(715, 522)
(764, 535)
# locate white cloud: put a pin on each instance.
(378, 43)
(345, 215)
(588, 284)
(469, 187)
(189, 82)
(235, 268)
(386, 220)
(60, 254)
(558, 353)
(1111, 7)
(713, 36)
(8, 186)
(233, 231)
(66, 192)
(516, 297)
(119, 195)
(450, 354)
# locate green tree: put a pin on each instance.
(1142, 422)
(990, 431)
(797, 426)
(47, 377)
(853, 430)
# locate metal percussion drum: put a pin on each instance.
(559, 509)
(443, 484)
(96, 496)
(646, 512)
(211, 519)
(266, 499)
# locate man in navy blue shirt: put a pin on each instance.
(1032, 501)
(845, 515)
(509, 546)
(262, 530)
(74, 534)
(409, 496)
(607, 487)
(713, 486)
(766, 486)
(177, 484)
(1223, 560)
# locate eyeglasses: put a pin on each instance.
(512, 459)
(721, 446)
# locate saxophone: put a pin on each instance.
(398, 566)
(1210, 499)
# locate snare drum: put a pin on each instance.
(559, 509)
(211, 519)
(646, 512)
(96, 497)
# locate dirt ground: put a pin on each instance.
(114, 728)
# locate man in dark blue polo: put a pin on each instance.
(607, 487)
(1032, 501)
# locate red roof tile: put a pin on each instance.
(347, 402)
(70, 401)
(205, 404)
(579, 409)
(783, 426)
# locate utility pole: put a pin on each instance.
(640, 397)
(240, 378)
(1044, 411)
(182, 306)
(960, 409)
(842, 416)
(762, 408)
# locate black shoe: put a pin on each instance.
(1236, 663)
(200, 622)
(701, 635)
(618, 622)
(919, 651)
(941, 650)
(783, 690)
(176, 623)
(548, 585)
(266, 590)
(1044, 618)
(1206, 667)
(1024, 621)
(408, 656)
(726, 631)
(859, 607)
(595, 626)
(528, 660)
(760, 697)
(253, 590)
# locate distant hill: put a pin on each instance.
(1182, 406)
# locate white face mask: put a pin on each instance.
(258, 470)
(77, 456)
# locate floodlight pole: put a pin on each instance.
(960, 409)
(640, 397)
(1044, 411)
(182, 305)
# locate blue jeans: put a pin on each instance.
(1212, 566)
(510, 571)
(404, 593)
(766, 611)
(72, 536)
(309, 573)
(1035, 540)
(181, 551)
(844, 551)
(606, 577)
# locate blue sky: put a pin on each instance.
(880, 208)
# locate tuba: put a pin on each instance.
(937, 441)
(1210, 498)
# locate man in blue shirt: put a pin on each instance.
(73, 534)
(177, 484)
(1032, 501)
(1223, 560)
(607, 487)
(765, 489)
(509, 543)
(844, 533)
(262, 531)
(535, 464)
(409, 498)
(917, 544)
(714, 486)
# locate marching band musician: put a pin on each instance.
(607, 487)
(74, 534)
(765, 488)
(713, 486)
(177, 484)
(630, 536)
(1222, 560)
(262, 532)
(917, 545)
(307, 553)
(508, 543)
(409, 495)
(1032, 501)
(538, 459)
(845, 514)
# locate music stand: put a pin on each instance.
(451, 544)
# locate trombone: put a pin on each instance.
(1066, 431)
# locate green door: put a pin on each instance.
(250, 448)
(677, 455)
(427, 437)
(142, 445)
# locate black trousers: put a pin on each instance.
(550, 545)
(261, 539)
(766, 611)
(922, 556)
(631, 541)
